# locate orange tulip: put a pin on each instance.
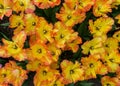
(63, 34)
(102, 7)
(23, 6)
(70, 17)
(92, 66)
(118, 18)
(14, 48)
(110, 81)
(5, 8)
(12, 74)
(44, 31)
(44, 4)
(101, 26)
(40, 52)
(16, 21)
(71, 73)
(111, 60)
(31, 22)
(45, 76)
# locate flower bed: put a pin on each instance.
(59, 43)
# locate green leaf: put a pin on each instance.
(5, 24)
(29, 81)
(4, 36)
(47, 12)
(3, 61)
(83, 28)
(25, 83)
(39, 12)
(77, 55)
(51, 13)
(26, 44)
(22, 64)
(112, 74)
(54, 11)
(115, 12)
(86, 84)
(72, 84)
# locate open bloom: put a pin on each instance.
(92, 66)
(44, 4)
(111, 44)
(45, 76)
(110, 81)
(118, 18)
(31, 21)
(70, 16)
(40, 52)
(17, 75)
(93, 46)
(5, 8)
(72, 72)
(12, 74)
(85, 5)
(101, 8)
(115, 3)
(23, 5)
(116, 35)
(101, 26)
(54, 51)
(62, 34)
(14, 48)
(82, 5)
(111, 61)
(16, 21)
(44, 31)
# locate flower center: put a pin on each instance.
(111, 60)
(72, 71)
(117, 35)
(44, 73)
(108, 84)
(52, 53)
(81, 4)
(44, 31)
(75, 7)
(91, 65)
(55, 85)
(14, 47)
(91, 47)
(107, 45)
(39, 51)
(18, 23)
(33, 23)
(21, 4)
(68, 17)
(1, 6)
(3, 75)
(61, 36)
(97, 28)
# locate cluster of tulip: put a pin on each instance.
(47, 41)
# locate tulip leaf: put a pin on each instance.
(5, 24)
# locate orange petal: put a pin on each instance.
(20, 38)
